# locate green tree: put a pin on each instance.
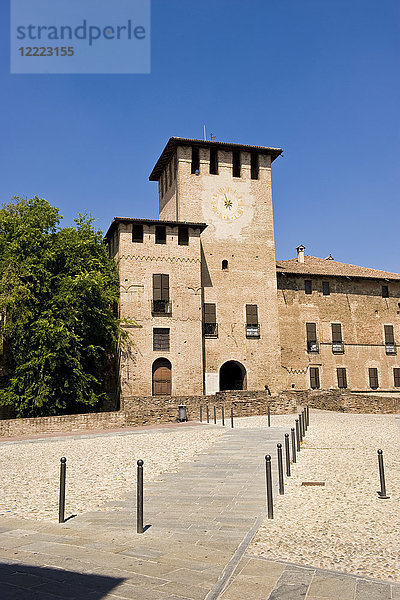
(58, 292)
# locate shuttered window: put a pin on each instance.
(311, 332)
(341, 377)
(314, 378)
(373, 378)
(160, 287)
(389, 334)
(161, 339)
(183, 236)
(251, 314)
(137, 233)
(337, 333)
(308, 286)
(396, 376)
(209, 313)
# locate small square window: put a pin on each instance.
(160, 339)
(161, 235)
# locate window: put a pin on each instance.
(389, 340)
(308, 286)
(183, 236)
(160, 339)
(341, 377)
(312, 344)
(170, 173)
(373, 378)
(385, 291)
(252, 324)
(326, 288)
(314, 378)
(396, 376)
(210, 326)
(161, 234)
(137, 233)
(224, 265)
(161, 301)
(213, 161)
(236, 163)
(254, 165)
(195, 161)
(337, 340)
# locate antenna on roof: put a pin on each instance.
(204, 132)
(212, 137)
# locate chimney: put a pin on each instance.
(300, 253)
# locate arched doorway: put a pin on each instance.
(232, 376)
(162, 377)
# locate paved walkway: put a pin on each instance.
(199, 524)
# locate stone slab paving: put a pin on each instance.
(199, 522)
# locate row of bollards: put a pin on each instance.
(215, 415)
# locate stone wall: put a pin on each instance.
(352, 402)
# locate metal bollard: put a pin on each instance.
(293, 435)
(208, 414)
(303, 431)
(301, 427)
(287, 454)
(139, 497)
(308, 415)
(269, 416)
(305, 419)
(298, 435)
(223, 415)
(215, 416)
(232, 416)
(61, 508)
(201, 414)
(270, 505)
(382, 493)
(280, 470)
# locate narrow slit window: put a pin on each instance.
(183, 236)
(213, 161)
(137, 233)
(254, 165)
(236, 163)
(161, 234)
(224, 265)
(195, 161)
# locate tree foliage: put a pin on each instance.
(58, 292)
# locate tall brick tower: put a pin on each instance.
(228, 187)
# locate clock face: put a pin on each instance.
(227, 204)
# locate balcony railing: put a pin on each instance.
(337, 347)
(161, 307)
(253, 331)
(312, 346)
(390, 348)
(210, 330)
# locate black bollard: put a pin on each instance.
(301, 427)
(208, 414)
(232, 416)
(269, 416)
(298, 435)
(215, 415)
(287, 454)
(293, 436)
(270, 505)
(201, 414)
(303, 430)
(305, 419)
(223, 415)
(280, 470)
(382, 493)
(139, 497)
(61, 508)
(308, 415)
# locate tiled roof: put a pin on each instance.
(328, 267)
(117, 220)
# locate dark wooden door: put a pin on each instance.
(162, 381)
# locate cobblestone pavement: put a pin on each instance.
(199, 521)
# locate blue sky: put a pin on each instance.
(318, 78)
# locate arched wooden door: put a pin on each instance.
(162, 377)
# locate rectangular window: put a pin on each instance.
(314, 378)
(254, 165)
(396, 375)
(161, 302)
(389, 340)
(195, 161)
(373, 378)
(183, 235)
(308, 286)
(337, 340)
(341, 377)
(312, 344)
(161, 234)
(236, 163)
(160, 339)
(213, 161)
(210, 326)
(252, 324)
(137, 233)
(326, 288)
(385, 291)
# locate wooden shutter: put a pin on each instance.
(164, 287)
(311, 332)
(373, 378)
(341, 377)
(251, 314)
(210, 315)
(396, 375)
(161, 339)
(336, 332)
(156, 287)
(389, 334)
(314, 377)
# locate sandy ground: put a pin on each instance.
(99, 469)
(342, 526)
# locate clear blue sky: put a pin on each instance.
(318, 78)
